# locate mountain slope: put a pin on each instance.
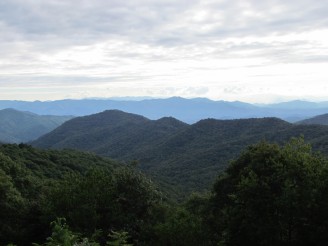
(17, 126)
(186, 156)
(187, 110)
(317, 120)
(110, 133)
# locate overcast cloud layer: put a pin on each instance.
(255, 51)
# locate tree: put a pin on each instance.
(11, 203)
(62, 235)
(273, 195)
(119, 201)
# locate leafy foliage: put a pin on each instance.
(37, 186)
(182, 226)
(269, 195)
(122, 200)
(62, 235)
(118, 239)
(273, 195)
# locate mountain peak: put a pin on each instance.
(171, 121)
(118, 115)
(15, 111)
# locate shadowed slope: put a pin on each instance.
(17, 126)
(185, 156)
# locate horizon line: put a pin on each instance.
(146, 98)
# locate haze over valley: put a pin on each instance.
(186, 110)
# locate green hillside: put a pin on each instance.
(187, 157)
(317, 120)
(111, 133)
(19, 127)
(268, 195)
(38, 186)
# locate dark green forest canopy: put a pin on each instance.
(91, 192)
(186, 157)
(317, 120)
(270, 195)
(53, 163)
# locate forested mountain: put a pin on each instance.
(112, 133)
(17, 126)
(186, 110)
(268, 195)
(38, 186)
(317, 120)
(186, 156)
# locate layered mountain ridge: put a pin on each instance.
(17, 126)
(186, 156)
(186, 110)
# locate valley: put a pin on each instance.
(188, 157)
(152, 181)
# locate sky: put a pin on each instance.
(258, 51)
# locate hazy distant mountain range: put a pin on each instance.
(186, 156)
(17, 126)
(186, 110)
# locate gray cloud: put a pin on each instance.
(146, 41)
(156, 22)
(58, 23)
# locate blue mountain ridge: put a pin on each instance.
(187, 110)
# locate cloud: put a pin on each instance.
(192, 46)
(160, 22)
